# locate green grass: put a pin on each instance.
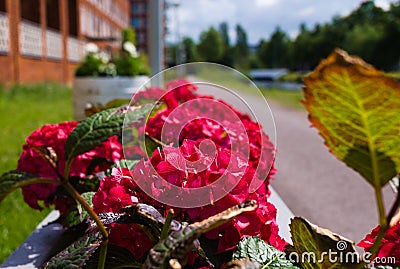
(225, 77)
(290, 99)
(293, 77)
(23, 109)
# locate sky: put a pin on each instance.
(258, 17)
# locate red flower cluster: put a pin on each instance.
(239, 151)
(131, 237)
(115, 192)
(166, 163)
(202, 117)
(55, 137)
(390, 244)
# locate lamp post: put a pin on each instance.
(156, 36)
(179, 51)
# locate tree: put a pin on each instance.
(227, 57)
(210, 47)
(301, 49)
(224, 32)
(241, 49)
(367, 31)
(275, 52)
(242, 46)
(189, 48)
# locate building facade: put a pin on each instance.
(140, 21)
(43, 40)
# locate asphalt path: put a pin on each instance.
(316, 185)
(310, 180)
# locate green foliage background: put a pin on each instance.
(368, 31)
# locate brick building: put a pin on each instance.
(43, 40)
(139, 21)
(140, 18)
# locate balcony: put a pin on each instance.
(31, 41)
(4, 34)
(54, 45)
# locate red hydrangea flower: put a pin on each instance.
(173, 170)
(55, 137)
(177, 91)
(187, 141)
(115, 192)
(131, 237)
(228, 132)
(390, 244)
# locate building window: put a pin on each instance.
(2, 5)
(72, 18)
(52, 14)
(135, 8)
(141, 38)
(136, 22)
(30, 10)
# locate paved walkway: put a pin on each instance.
(316, 185)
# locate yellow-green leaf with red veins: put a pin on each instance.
(357, 111)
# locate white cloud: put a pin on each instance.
(258, 17)
(383, 4)
(197, 16)
(306, 12)
(266, 3)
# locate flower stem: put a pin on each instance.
(381, 207)
(167, 224)
(71, 190)
(67, 169)
(103, 254)
(383, 225)
(382, 222)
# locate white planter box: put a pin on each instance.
(36, 248)
(103, 89)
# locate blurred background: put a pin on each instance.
(274, 42)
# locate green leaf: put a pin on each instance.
(242, 264)
(356, 110)
(92, 131)
(313, 246)
(130, 164)
(70, 218)
(14, 179)
(117, 257)
(256, 250)
(87, 196)
(116, 103)
(150, 145)
(96, 129)
(77, 254)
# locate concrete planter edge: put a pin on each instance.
(35, 250)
